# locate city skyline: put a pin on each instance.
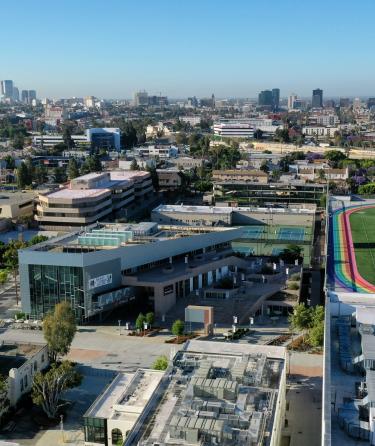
(183, 50)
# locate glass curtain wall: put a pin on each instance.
(50, 284)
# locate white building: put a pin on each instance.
(319, 131)
(116, 411)
(236, 130)
(22, 361)
(192, 120)
(159, 151)
(107, 137)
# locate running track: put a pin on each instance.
(342, 267)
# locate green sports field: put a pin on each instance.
(363, 232)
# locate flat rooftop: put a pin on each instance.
(221, 394)
(102, 236)
(67, 193)
(126, 396)
(228, 210)
(16, 197)
(14, 355)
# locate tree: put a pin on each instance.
(73, 171)
(181, 138)
(10, 162)
(258, 134)
(178, 328)
(23, 176)
(301, 318)
(59, 329)
(4, 401)
(316, 335)
(150, 318)
(282, 135)
(10, 259)
(48, 387)
(40, 174)
(161, 363)
(37, 239)
(59, 175)
(67, 137)
(3, 278)
(321, 174)
(367, 189)
(334, 157)
(264, 167)
(134, 165)
(141, 319)
(291, 253)
(18, 141)
(154, 177)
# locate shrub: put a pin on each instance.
(161, 363)
(293, 286)
(140, 321)
(295, 276)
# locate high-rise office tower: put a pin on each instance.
(292, 97)
(344, 102)
(16, 94)
(25, 96)
(32, 96)
(140, 98)
(7, 89)
(275, 98)
(317, 98)
(265, 98)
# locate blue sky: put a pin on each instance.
(111, 48)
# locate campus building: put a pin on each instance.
(266, 231)
(349, 356)
(99, 268)
(94, 138)
(93, 197)
(217, 394)
(247, 193)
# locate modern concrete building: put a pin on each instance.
(95, 138)
(232, 216)
(217, 394)
(93, 197)
(17, 204)
(234, 130)
(243, 193)
(97, 269)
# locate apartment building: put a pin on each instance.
(253, 176)
(93, 197)
(169, 179)
(320, 131)
(160, 151)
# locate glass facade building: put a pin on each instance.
(50, 284)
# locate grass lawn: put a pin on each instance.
(363, 232)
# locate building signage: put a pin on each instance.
(100, 281)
